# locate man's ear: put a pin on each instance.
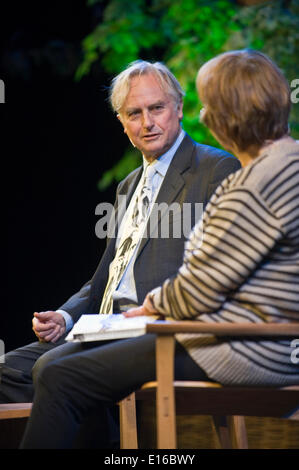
(120, 119)
(180, 110)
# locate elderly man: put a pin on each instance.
(148, 101)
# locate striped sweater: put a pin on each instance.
(241, 264)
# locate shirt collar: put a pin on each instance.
(162, 163)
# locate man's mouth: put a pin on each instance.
(151, 136)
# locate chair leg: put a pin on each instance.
(165, 401)
(128, 423)
(222, 432)
(238, 432)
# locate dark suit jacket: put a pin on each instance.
(193, 175)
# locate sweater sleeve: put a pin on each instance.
(237, 233)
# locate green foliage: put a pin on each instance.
(129, 161)
(184, 35)
(127, 28)
(274, 30)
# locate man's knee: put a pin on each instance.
(47, 375)
(39, 366)
(58, 351)
(47, 357)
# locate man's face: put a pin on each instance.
(150, 117)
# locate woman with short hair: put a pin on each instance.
(241, 263)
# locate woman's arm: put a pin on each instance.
(239, 231)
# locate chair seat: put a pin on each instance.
(209, 398)
(182, 384)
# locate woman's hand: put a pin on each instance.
(137, 312)
(147, 308)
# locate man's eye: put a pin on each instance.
(133, 114)
(157, 109)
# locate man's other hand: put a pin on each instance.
(48, 326)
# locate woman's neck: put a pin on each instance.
(245, 158)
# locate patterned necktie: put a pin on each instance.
(132, 233)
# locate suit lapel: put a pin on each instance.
(130, 186)
(124, 196)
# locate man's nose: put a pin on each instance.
(147, 120)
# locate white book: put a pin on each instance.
(102, 327)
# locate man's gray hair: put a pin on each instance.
(120, 85)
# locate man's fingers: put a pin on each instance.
(44, 316)
(48, 326)
(52, 335)
(55, 335)
(42, 327)
(44, 334)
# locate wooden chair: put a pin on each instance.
(224, 404)
(15, 410)
(13, 419)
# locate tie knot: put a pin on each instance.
(149, 173)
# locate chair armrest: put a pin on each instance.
(224, 329)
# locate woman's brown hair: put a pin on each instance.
(246, 99)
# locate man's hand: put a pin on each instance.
(48, 326)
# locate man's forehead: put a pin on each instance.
(144, 79)
(145, 86)
(147, 103)
(144, 95)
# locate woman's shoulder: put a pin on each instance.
(277, 165)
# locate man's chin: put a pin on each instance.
(153, 151)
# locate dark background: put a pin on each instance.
(57, 137)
